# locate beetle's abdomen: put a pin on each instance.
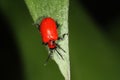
(48, 30)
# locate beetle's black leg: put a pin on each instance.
(58, 25)
(49, 55)
(44, 43)
(59, 38)
(37, 25)
(63, 36)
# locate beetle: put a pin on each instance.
(48, 28)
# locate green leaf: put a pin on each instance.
(57, 9)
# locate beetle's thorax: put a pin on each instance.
(51, 44)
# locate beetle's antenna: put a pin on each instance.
(59, 54)
(60, 48)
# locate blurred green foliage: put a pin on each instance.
(94, 54)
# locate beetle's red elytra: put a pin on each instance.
(49, 32)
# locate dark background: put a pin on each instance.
(94, 27)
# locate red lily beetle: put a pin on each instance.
(49, 33)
